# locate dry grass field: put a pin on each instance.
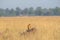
(47, 28)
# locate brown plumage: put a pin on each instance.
(29, 30)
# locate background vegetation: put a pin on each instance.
(30, 11)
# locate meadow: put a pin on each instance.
(47, 28)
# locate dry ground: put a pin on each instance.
(48, 28)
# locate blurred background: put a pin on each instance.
(29, 7)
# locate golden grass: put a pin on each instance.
(48, 28)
